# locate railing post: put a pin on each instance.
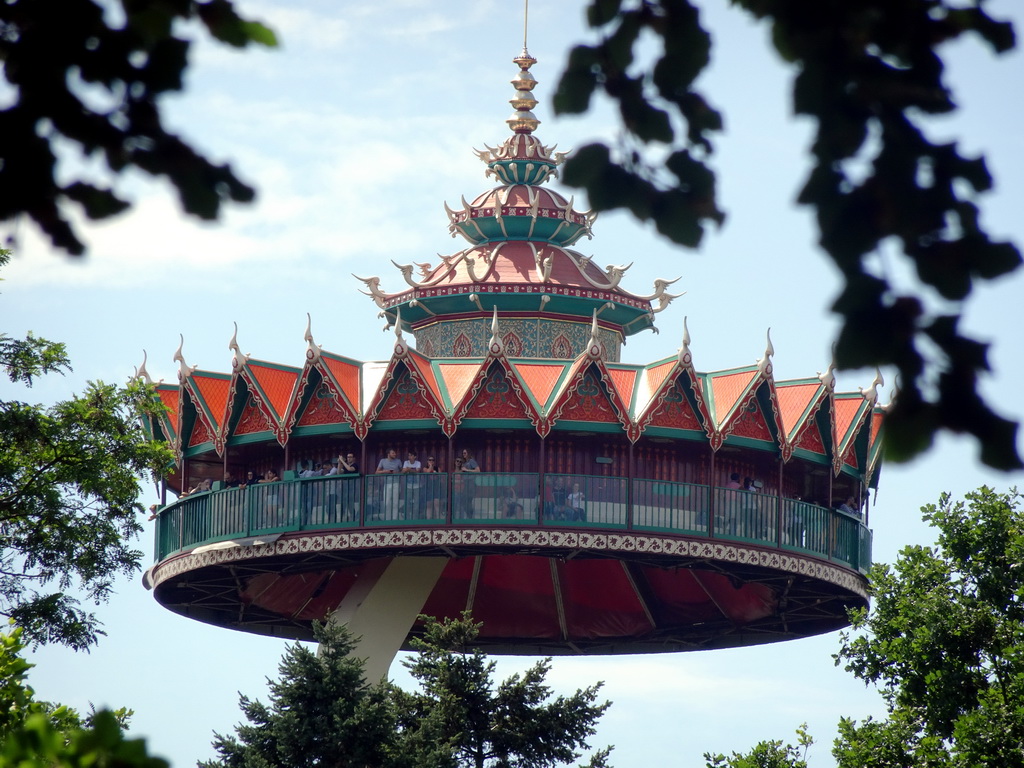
(449, 470)
(631, 470)
(712, 498)
(778, 508)
(540, 484)
(830, 535)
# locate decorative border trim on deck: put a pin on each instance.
(716, 551)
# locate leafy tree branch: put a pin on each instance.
(869, 74)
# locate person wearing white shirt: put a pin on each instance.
(412, 467)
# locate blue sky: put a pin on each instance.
(355, 130)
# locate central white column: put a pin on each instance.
(382, 605)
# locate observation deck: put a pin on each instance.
(637, 566)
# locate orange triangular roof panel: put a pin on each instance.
(794, 400)
(277, 384)
(347, 376)
(845, 412)
(624, 380)
(171, 398)
(540, 378)
(458, 378)
(214, 393)
(656, 375)
(727, 389)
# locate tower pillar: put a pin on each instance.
(382, 605)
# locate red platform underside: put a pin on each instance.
(530, 597)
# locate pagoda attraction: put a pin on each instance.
(508, 463)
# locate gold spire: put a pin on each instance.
(524, 121)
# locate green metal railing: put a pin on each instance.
(497, 498)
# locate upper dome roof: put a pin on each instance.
(519, 234)
(520, 212)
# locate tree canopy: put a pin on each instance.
(869, 74)
(944, 641)
(86, 82)
(767, 754)
(69, 483)
(38, 733)
(322, 713)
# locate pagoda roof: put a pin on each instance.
(742, 406)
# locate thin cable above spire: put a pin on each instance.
(526, 21)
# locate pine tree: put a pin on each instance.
(322, 713)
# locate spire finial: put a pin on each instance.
(871, 393)
(828, 378)
(524, 121)
(685, 358)
(495, 345)
(765, 363)
(141, 372)
(401, 348)
(594, 346)
(526, 22)
(184, 371)
(237, 359)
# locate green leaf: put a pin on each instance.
(601, 12)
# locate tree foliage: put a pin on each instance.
(322, 713)
(767, 754)
(89, 79)
(461, 718)
(38, 734)
(944, 641)
(69, 482)
(869, 74)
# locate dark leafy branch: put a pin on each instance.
(869, 73)
(130, 54)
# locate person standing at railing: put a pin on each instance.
(555, 499)
(734, 482)
(310, 492)
(850, 507)
(347, 464)
(434, 489)
(513, 508)
(311, 470)
(468, 462)
(469, 465)
(460, 507)
(412, 467)
(577, 504)
(390, 465)
(271, 500)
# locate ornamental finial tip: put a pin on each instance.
(524, 121)
(141, 372)
(765, 363)
(684, 350)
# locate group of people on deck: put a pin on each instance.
(848, 504)
(423, 497)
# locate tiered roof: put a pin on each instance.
(519, 258)
(332, 394)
